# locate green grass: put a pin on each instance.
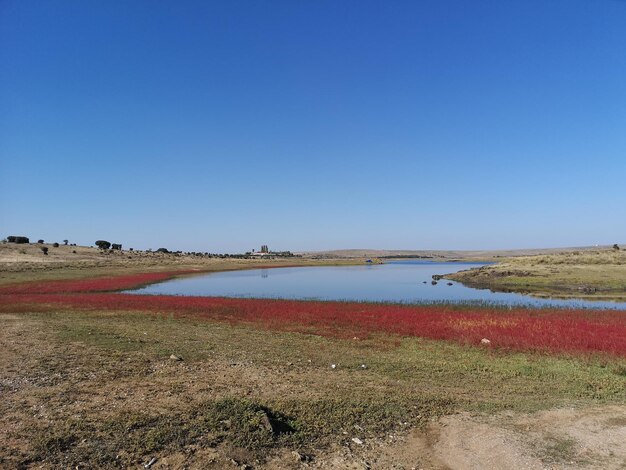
(492, 379)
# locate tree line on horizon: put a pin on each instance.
(105, 245)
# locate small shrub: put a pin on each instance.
(44, 249)
(616, 247)
(55, 244)
(40, 241)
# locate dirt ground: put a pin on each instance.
(558, 438)
(591, 438)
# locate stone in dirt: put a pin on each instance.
(485, 341)
(266, 423)
(174, 357)
(301, 457)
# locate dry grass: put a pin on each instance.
(26, 262)
(578, 274)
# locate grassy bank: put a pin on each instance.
(21, 263)
(583, 274)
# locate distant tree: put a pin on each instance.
(65, 242)
(616, 247)
(162, 250)
(40, 241)
(16, 239)
(55, 244)
(103, 244)
(116, 246)
(44, 249)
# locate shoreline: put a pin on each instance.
(589, 274)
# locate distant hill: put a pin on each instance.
(444, 254)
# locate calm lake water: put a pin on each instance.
(395, 281)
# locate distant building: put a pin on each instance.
(265, 251)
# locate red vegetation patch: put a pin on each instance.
(550, 330)
(102, 284)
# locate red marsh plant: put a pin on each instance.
(103, 284)
(523, 329)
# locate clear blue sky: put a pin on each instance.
(309, 125)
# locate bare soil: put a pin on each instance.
(562, 438)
